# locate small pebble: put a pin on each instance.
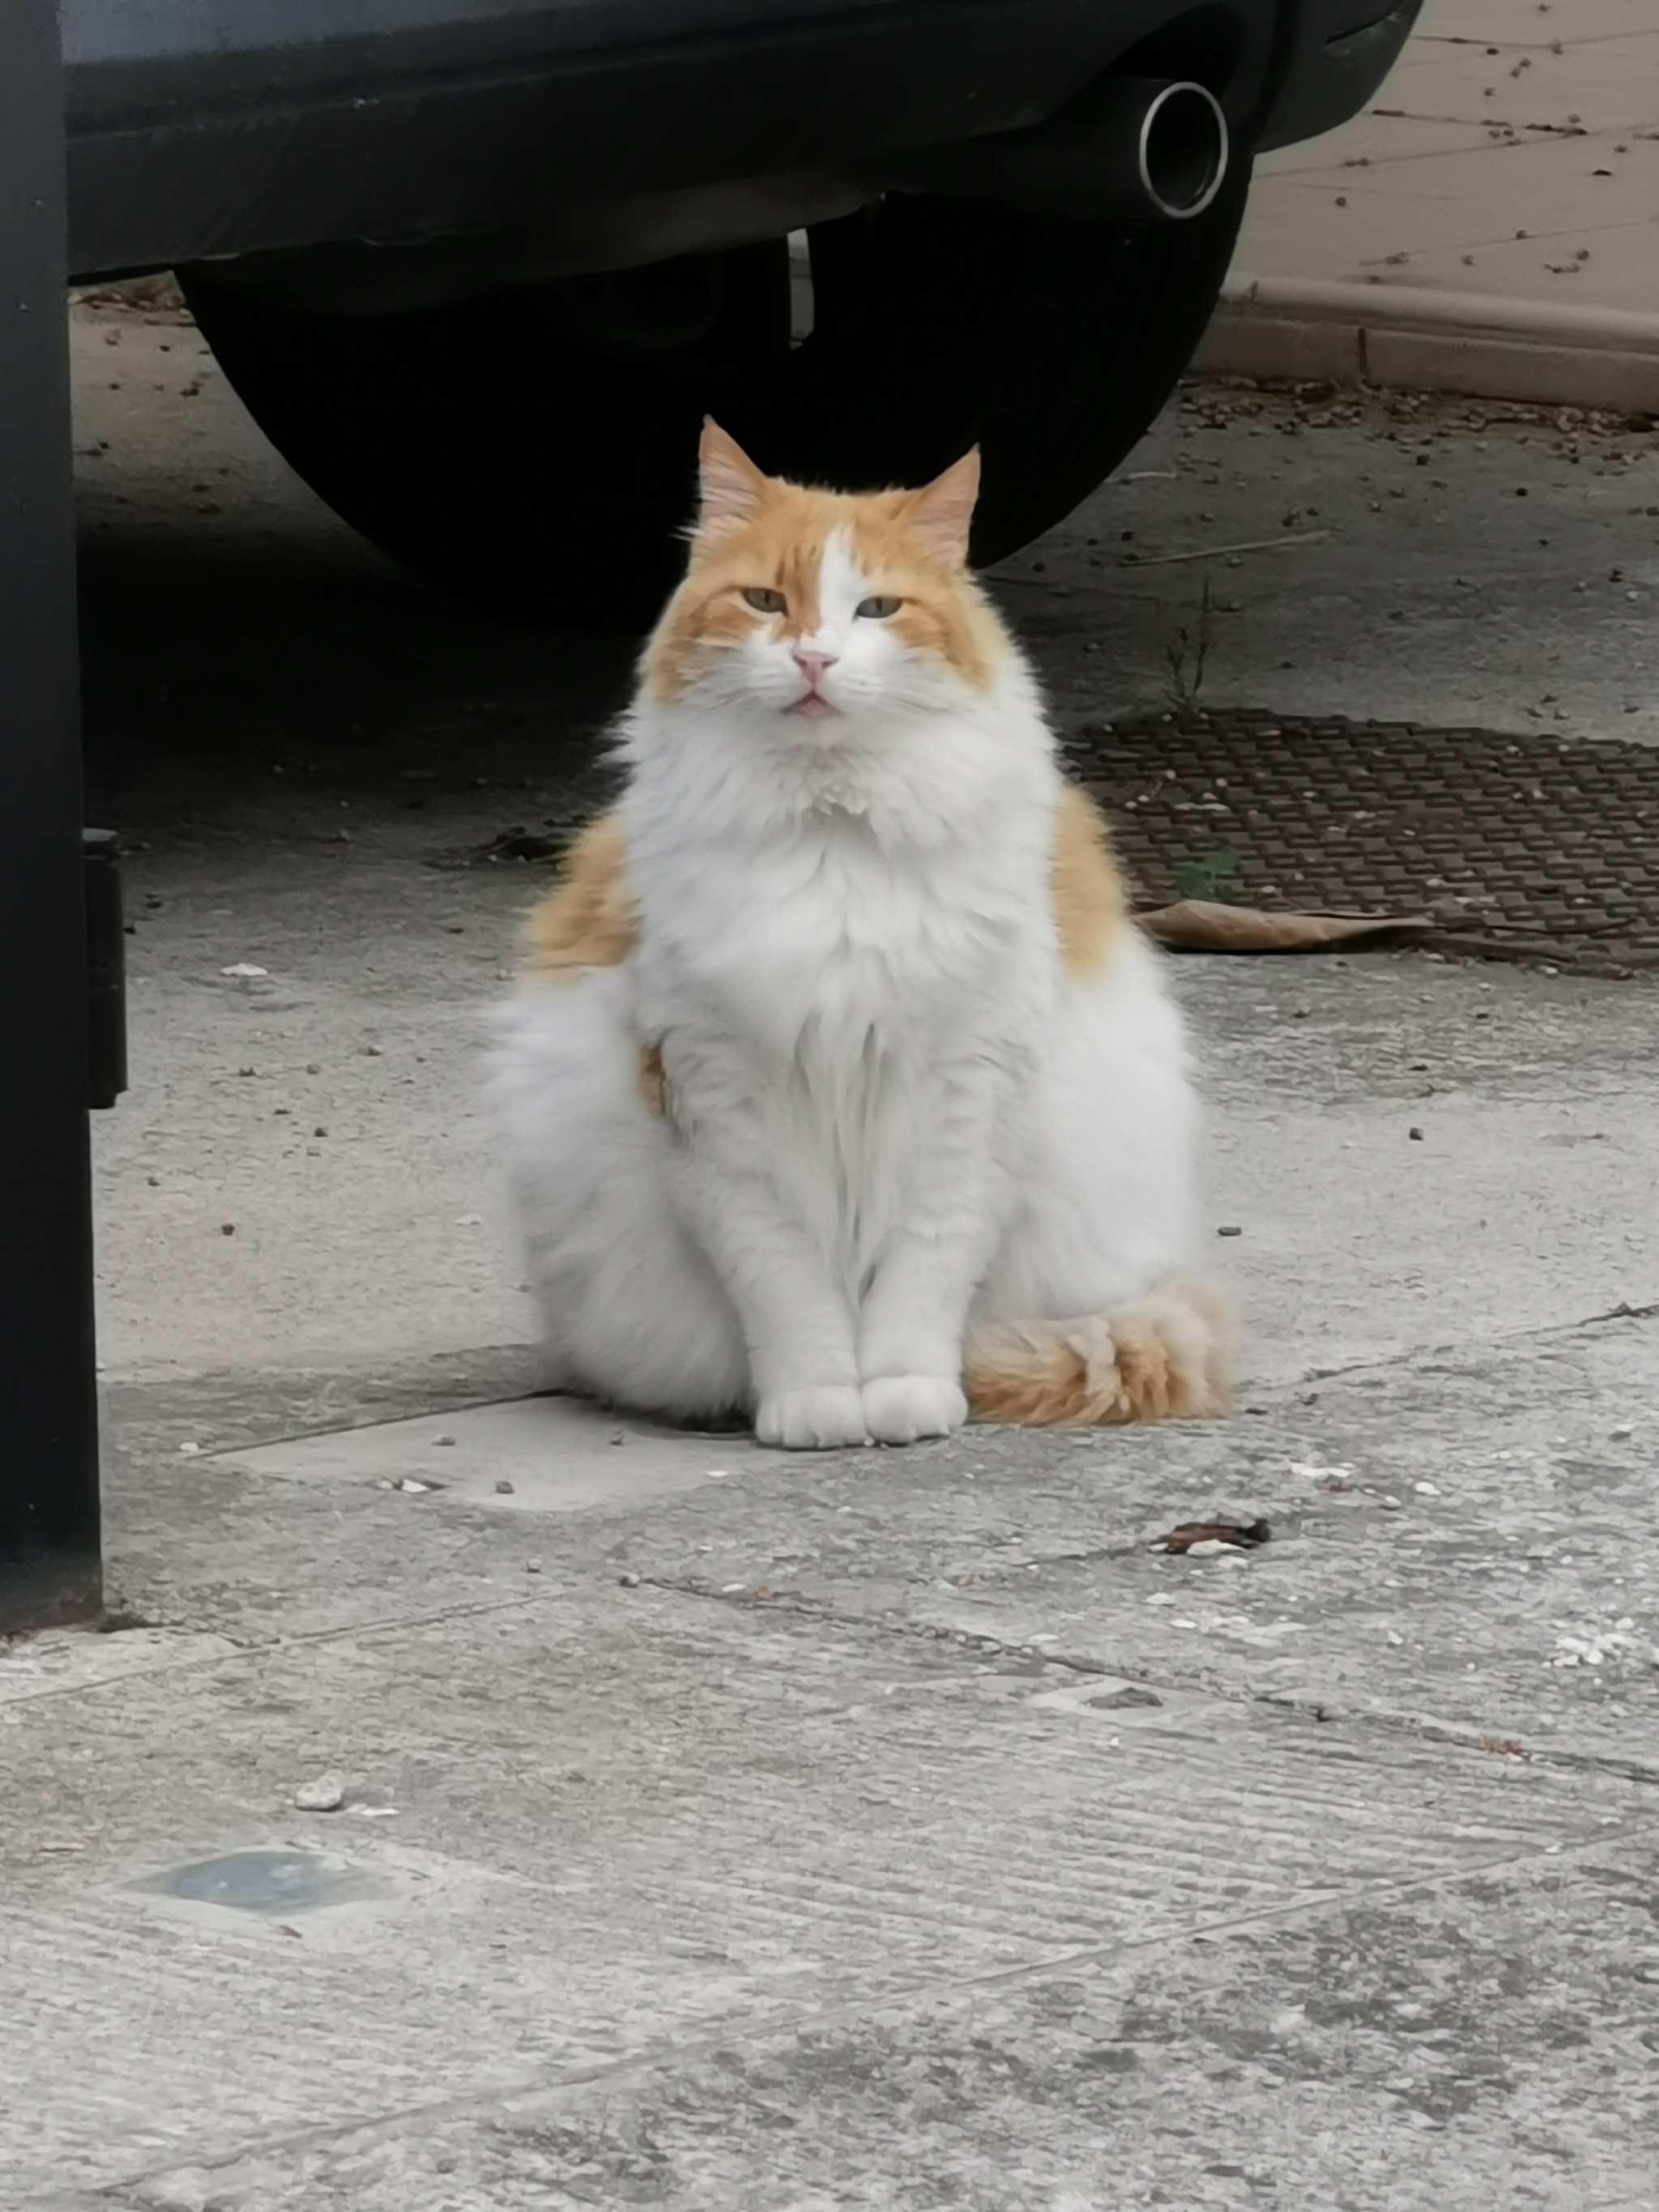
(326, 1795)
(532, 1566)
(503, 1488)
(1232, 1229)
(1416, 1136)
(629, 1581)
(226, 1227)
(443, 1440)
(1427, 1489)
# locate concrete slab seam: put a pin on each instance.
(532, 2098)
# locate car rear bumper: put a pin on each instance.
(1340, 51)
(203, 129)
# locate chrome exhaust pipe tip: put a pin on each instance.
(1181, 151)
(1129, 150)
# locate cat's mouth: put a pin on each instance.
(813, 705)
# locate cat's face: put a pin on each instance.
(819, 612)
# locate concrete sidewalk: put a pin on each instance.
(1489, 226)
(684, 1827)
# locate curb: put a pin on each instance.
(1487, 348)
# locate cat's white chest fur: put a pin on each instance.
(828, 991)
(833, 949)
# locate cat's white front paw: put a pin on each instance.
(901, 1409)
(822, 1420)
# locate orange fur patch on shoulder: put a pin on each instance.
(653, 1082)
(1092, 908)
(590, 919)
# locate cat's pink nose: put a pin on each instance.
(812, 666)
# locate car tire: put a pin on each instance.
(532, 451)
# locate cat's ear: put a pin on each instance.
(729, 486)
(940, 512)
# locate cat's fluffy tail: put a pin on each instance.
(1167, 1356)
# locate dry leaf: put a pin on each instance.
(1241, 1535)
(1207, 925)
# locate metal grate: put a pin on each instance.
(1523, 848)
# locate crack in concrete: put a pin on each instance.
(1322, 1710)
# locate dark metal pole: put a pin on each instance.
(49, 1533)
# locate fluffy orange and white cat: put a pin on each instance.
(843, 1093)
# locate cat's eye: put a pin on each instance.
(763, 599)
(879, 610)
